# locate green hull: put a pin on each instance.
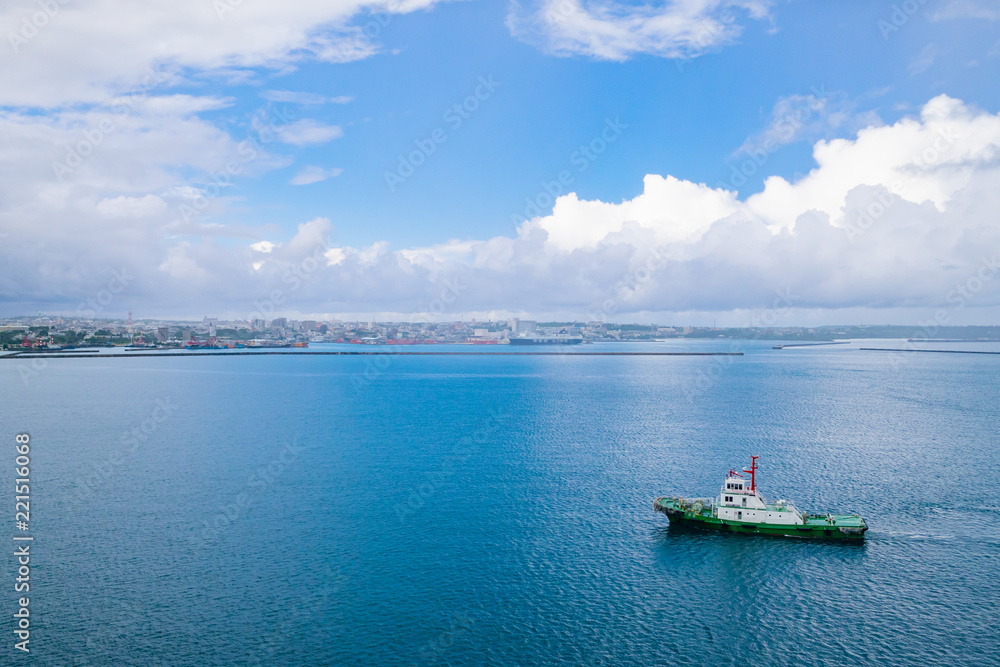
(826, 527)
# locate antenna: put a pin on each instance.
(752, 471)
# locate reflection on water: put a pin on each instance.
(477, 510)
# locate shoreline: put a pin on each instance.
(350, 353)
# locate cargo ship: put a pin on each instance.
(740, 508)
(555, 339)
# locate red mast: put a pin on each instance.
(753, 469)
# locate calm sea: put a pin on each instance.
(497, 510)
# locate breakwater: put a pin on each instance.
(350, 353)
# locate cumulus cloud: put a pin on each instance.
(73, 52)
(898, 216)
(608, 30)
(310, 175)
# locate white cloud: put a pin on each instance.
(608, 30)
(817, 115)
(894, 218)
(131, 207)
(967, 9)
(924, 60)
(293, 97)
(296, 97)
(263, 246)
(311, 175)
(75, 55)
(306, 132)
(932, 158)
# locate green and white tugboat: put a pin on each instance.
(741, 509)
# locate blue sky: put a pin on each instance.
(683, 120)
(685, 108)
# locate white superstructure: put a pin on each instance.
(739, 500)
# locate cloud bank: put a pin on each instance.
(899, 216)
(61, 51)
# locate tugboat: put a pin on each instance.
(740, 508)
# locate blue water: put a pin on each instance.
(498, 510)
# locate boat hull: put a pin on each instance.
(837, 527)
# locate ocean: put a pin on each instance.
(497, 510)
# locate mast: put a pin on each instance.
(752, 471)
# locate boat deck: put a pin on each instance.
(836, 520)
(701, 508)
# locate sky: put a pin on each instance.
(685, 162)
